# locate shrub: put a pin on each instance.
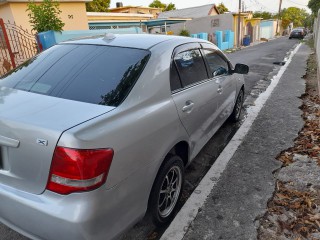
(45, 16)
(185, 33)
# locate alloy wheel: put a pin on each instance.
(170, 191)
(239, 105)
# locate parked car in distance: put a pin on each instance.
(297, 33)
(95, 132)
(305, 30)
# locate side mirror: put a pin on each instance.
(241, 69)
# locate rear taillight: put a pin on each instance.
(77, 170)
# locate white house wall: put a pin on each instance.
(208, 24)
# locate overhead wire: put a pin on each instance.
(265, 8)
(262, 6)
(297, 3)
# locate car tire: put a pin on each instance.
(290, 37)
(166, 190)
(236, 113)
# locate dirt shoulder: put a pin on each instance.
(294, 210)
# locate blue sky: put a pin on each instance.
(254, 5)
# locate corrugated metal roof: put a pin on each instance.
(193, 12)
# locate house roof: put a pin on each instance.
(127, 7)
(248, 15)
(110, 17)
(193, 12)
(115, 15)
(161, 22)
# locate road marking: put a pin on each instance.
(179, 226)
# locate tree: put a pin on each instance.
(264, 15)
(170, 7)
(157, 4)
(295, 15)
(314, 5)
(222, 8)
(45, 16)
(308, 22)
(163, 6)
(98, 6)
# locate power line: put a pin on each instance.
(262, 6)
(297, 3)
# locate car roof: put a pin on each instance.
(142, 41)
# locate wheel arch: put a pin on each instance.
(180, 149)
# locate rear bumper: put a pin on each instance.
(52, 216)
(296, 36)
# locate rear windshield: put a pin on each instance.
(87, 73)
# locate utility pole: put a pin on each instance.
(239, 35)
(279, 12)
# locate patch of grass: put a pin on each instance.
(310, 42)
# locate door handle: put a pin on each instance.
(188, 107)
(219, 89)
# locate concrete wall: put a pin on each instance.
(208, 24)
(67, 35)
(316, 30)
(50, 38)
(6, 13)
(267, 29)
(73, 15)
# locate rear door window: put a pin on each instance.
(87, 73)
(191, 67)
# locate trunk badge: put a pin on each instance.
(42, 142)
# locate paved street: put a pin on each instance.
(260, 59)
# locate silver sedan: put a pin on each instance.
(96, 132)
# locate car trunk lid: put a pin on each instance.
(30, 127)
